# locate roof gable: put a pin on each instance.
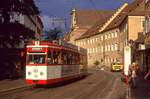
(88, 17)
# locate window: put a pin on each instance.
(50, 57)
(108, 47)
(106, 36)
(143, 24)
(96, 39)
(116, 34)
(116, 47)
(105, 60)
(96, 50)
(78, 43)
(84, 42)
(93, 50)
(74, 58)
(56, 57)
(36, 59)
(91, 40)
(109, 35)
(102, 38)
(112, 35)
(88, 41)
(112, 47)
(102, 49)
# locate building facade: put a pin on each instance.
(32, 22)
(16, 29)
(106, 43)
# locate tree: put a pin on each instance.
(96, 63)
(54, 34)
(11, 30)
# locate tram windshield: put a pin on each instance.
(36, 59)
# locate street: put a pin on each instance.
(47, 47)
(98, 85)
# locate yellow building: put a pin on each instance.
(105, 41)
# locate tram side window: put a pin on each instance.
(54, 57)
(50, 57)
(59, 58)
(74, 58)
(70, 58)
(65, 56)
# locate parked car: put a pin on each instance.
(116, 66)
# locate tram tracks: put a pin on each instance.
(15, 93)
(14, 90)
(25, 91)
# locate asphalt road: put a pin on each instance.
(98, 85)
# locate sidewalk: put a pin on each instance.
(12, 84)
(142, 91)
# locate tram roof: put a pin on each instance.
(58, 44)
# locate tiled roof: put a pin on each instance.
(88, 17)
(103, 16)
(130, 10)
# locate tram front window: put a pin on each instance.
(36, 59)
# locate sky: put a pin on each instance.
(62, 8)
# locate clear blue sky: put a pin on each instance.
(62, 8)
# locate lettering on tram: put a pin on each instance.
(52, 62)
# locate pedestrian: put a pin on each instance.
(133, 70)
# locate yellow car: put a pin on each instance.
(116, 66)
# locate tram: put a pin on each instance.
(54, 62)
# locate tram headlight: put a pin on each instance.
(41, 73)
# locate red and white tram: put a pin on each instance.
(54, 62)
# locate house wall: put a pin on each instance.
(103, 47)
(135, 26)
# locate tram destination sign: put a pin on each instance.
(36, 48)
